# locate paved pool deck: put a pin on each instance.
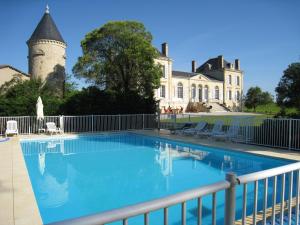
(17, 201)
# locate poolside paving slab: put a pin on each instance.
(17, 201)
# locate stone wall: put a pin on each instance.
(44, 57)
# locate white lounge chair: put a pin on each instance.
(217, 129)
(11, 127)
(199, 128)
(232, 132)
(52, 129)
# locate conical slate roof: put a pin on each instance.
(46, 29)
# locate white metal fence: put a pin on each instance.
(273, 132)
(281, 133)
(278, 189)
(86, 123)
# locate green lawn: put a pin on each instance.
(271, 109)
(211, 119)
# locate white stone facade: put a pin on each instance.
(223, 86)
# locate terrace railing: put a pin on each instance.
(86, 123)
(282, 199)
(273, 132)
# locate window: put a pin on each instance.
(206, 93)
(164, 71)
(229, 95)
(238, 96)
(229, 79)
(179, 90)
(163, 91)
(238, 80)
(217, 93)
(200, 93)
(193, 91)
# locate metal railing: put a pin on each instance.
(230, 186)
(279, 132)
(273, 132)
(86, 123)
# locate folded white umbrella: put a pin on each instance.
(39, 109)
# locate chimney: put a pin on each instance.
(193, 66)
(237, 64)
(220, 62)
(165, 49)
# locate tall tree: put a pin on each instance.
(119, 57)
(288, 89)
(255, 96)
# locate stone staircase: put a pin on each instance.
(216, 107)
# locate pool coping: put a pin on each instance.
(17, 200)
(17, 197)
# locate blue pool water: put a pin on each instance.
(74, 177)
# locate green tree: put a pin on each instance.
(255, 96)
(19, 98)
(266, 98)
(119, 58)
(288, 88)
(92, 100)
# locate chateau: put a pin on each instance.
(216, 84)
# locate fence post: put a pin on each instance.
(29, 123)
(158, 120)
(92, 123)
(189, 117)
(119, 122)
(174, 116)
(143, 121)
(290, 133)
(230, 195)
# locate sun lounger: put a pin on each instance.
(178, 130)
(52, 129)
(199, 128)
(217, 129)
(231, 133)
(11, 127)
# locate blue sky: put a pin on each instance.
(263, 34)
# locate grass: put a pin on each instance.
(271, 109)
(212, 119)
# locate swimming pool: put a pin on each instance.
(73, 177)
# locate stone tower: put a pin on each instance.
(47, 52)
